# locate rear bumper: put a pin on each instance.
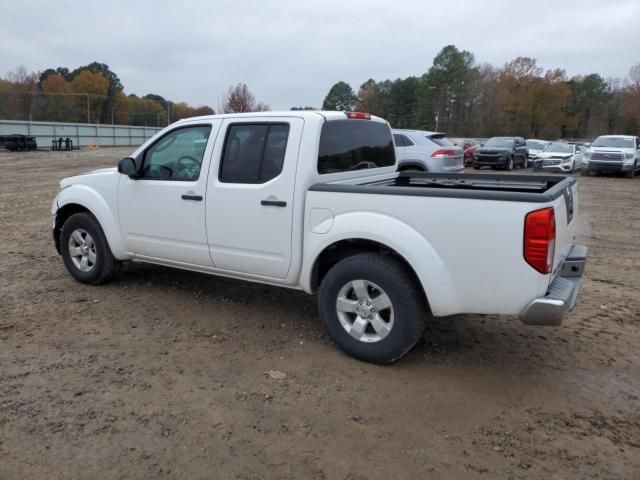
(445, 165)
(561, 296)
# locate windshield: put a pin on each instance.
(499, 142)
(536, 144)
(559, 148)
(615, 142)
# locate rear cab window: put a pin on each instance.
(348, 145)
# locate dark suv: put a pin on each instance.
(19, 142)
(504, 152)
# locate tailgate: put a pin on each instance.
(566, 214)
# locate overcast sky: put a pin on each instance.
(291, 52)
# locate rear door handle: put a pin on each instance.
(195, 198)
(273, 203)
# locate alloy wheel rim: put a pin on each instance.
(365, 311)
(82, 250)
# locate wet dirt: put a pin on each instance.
(161, 373)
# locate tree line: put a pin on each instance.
(463, 98)
(94, 94)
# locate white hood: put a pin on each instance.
(87, 176)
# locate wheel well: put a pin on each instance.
(411, 166)
(347, 248)
(61, 216)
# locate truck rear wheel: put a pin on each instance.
(372, 307)
(85, 251)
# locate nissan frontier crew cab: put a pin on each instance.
(312, 201)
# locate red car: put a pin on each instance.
(469, 145)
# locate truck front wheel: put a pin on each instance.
(372, 307)
(85, 251)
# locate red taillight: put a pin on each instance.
(358, 115)
(444, 152)
(540, 239)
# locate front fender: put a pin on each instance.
(396, 235)
(87, 197)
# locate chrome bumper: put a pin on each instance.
(563, 291)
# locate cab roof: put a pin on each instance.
(326, 114)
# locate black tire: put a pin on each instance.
(105, 265)
(476, 167)
(525, 162)
(584, 172)
(406, 299)
(631, 173)
(510, 164)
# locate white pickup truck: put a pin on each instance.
(312, 201)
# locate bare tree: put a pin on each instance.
(240, 99)
(634, 75)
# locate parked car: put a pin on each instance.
(536, 146)
(502, 152)
(427, 152)
(560, 157)
(481, 141)
(469, 145)
(20, 143)
(613, 153)
(311, 200)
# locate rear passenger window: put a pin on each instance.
(253, 153)
(347, 145)
(402, 140)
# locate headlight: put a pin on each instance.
(567, 159)
(630, 155)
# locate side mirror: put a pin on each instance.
(127, 166)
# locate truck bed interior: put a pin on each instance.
(509, 183)
(518, 188)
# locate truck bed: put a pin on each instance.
(514, 188)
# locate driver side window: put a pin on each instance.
(178, 155)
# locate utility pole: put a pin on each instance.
(88, 110)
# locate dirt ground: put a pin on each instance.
(160, 374)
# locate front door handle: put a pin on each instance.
(273, 203)
(195, 198)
